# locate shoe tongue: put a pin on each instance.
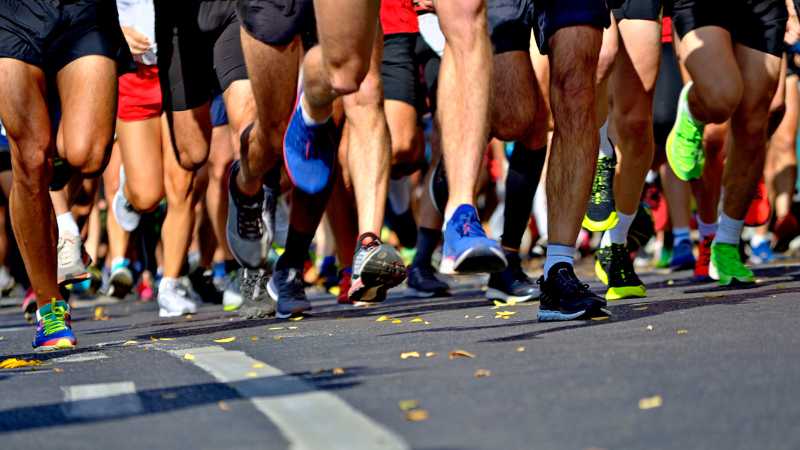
(561, 269)
(466, 210)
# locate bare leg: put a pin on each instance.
(140, 143)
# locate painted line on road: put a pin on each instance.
(90, 401)
(308, 418)
(79, 358)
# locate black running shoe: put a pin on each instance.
(642, 229)
(203, 283)
(422, 282)
(564, 297)
(601, 214)
(512, 284)
(286, 288)
(614, 268)
(377, 267)
(256, 303)
(437, 187)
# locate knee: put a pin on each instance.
(191, 155)
(32, 166)
(347, 72)
(722, 98)
(404, 148)
(88, 154)
(146, 199)
(464, 23)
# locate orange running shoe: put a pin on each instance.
(760, 210)
(703, 259)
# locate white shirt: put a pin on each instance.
(140, 15)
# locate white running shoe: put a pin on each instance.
(174, 299)
(232, 294)
(127, 217)
(7, 282)
(71, 260)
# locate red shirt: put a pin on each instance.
(398, 16)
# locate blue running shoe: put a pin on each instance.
(682, 256)
(466, 248)
(54, 327)
(761, 253)
(309, 152)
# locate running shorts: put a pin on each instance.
(511, 21)
(139, 94)
(199, 50)
(643, 9)
(50, 34)
(665, 97)
(278, 22)
(758, 24)
(400, 71)
(219, 116)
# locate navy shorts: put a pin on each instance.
(278, 22)
(219, 116)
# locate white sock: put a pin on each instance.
(684, 101)
(166, 283)
(558, 254)
(729, 230)
(606, 147)
(706, 229)
(758, 239)
(618, 234)
(679, 235)
(67, 225)
(308, 119)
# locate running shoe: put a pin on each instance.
(601, 213)
(72, 260)
(287, 290)
(682, 256)
(175, 299)
(565, 297)
(29, 305)
(345, 281)
(7, 282)
(760, 210)
(437, 187)
(144, 290)
(423, 283)
(664, 258)
(203, 283)
(512, 284)
(54, 327)
(232, 293)
(614, 268)
(685, 142)
(761, 253)
(127, 216)
(256, 303)
(703, 259)
(249, 234)
(727, 266)
(642, 229)
(309, 152)
(466, 248)
(120, 283)
(377, 267)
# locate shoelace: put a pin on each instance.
(293, 287)
(570, 285)
(600, 190)
(55, 320)
(65, 255)
(619, 255)
(469, 226)
(251, 225)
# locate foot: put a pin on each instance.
(564, 297)
(127, 216)
(703, 259)
(760, 210)
(120, 283)
(727, 266)
(345, 281)
(29, 305)
(251, 223)
(512, 284)
(309, 152)
(423, 282)
(54, 327)
(232, 293)
(614, 268)
(72, 260)
(682, 256)
(761, 253)
(601, 214)
(685, 142)
(174, 299)
(466, 248)
(437, 187)
(7, 282)
(642, 229)
(377, 267)
(288, 292)
(256, 303)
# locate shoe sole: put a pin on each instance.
(74, 278)
(557, 316)
(376, 278)
(61, 344)
(496, 294)
(601, 225)
(623, 292)
(475, 260)
(121, 285)
(299, 309)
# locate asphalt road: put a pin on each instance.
(690, 367)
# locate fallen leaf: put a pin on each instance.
(258, 365)
(416, 415)
(670, 282)
(292, 328)
(126, 343)
(251, 374)
(682, 331)
(481, 373)
(14, 363)
(417, 320)
(223, 406)
(649, 328)
(427, 323)
(225, 340)
(406, 355)
(460, 354)
(275, 328)
(100, 313)
(397, 321)
(188, 357)
(296, 319)
(337, 371)
(650, 402)
(188, 317)
(408, 405)
(478, 317)
(520, 349)
(2, 338)
(253, 338)
(600, 318)
(503, 314)
(58, 370)
(278, 338)
(640, 308)
(466, 316)
(498, 303)
(430, 354)
(383, 319)
(166, 339)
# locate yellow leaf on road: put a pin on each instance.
(337, 371)
(126, 343)
(188, 357)
(417, 320)
(383, 319)
(460, 354)
(275, 328)
(14, 363)
(503, 314)
(166, 339)
(649, 328)
(225, 340)
(296, 319)
(650, 402)
(481, 373)
(416, 415)
(600, 318)
(100, 313)
(251, 374)
(430, 354)
(406, 355)
(682, 331)
(223, 406)
(520, 349)
(58, 370)
(397, 321)
(408, 405)
(258, 365)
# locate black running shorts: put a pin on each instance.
(511, 21)
(758, 24)
(278, 22)
(199, 50)
(52, 33)
(400, 70)
(642, 9)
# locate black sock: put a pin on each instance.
(427, 241)
(296, 251)
(231, 265)
(524, 169)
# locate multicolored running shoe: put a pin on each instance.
(54, 327)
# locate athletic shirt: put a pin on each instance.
(666, 30)
(140, 15)
(398, 16)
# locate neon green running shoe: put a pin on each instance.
(727, 266)
(685, 142)
(601, 213)
(614, 268)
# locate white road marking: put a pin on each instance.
(89, 401)
(309, 419)
(80, 357)
(12, 329)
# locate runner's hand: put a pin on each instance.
(424, 5)
(137, 42)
